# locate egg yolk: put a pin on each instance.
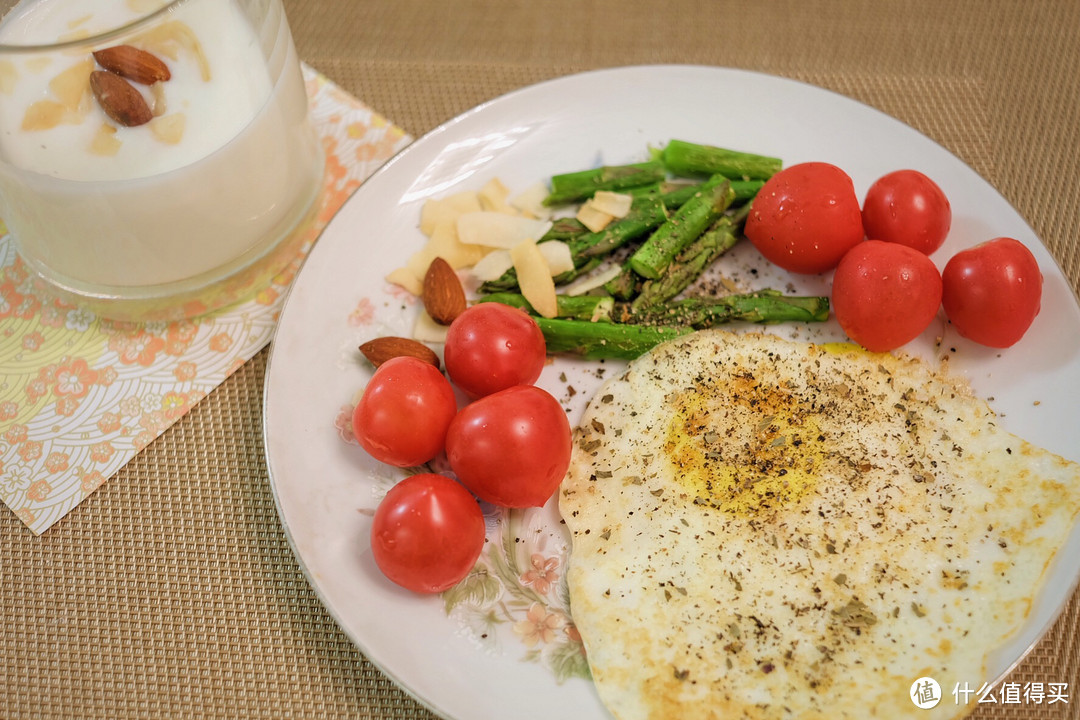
(743, 446)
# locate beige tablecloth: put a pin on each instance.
(172, 591)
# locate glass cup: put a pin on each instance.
(157, 160)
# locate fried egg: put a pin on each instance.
(764, 528)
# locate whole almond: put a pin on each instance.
(134, 64)
(382, 349)
(119, 99)
(444, 297)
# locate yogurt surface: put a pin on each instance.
(219, 82)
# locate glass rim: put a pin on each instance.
(95, 39)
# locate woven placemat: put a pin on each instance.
(172, 591)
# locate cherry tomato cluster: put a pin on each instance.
(509, 445)
(886, 290)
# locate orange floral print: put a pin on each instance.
(153, 421)
(14, 303)
(362, 314)
(109, 423)
(30, 450)
(8, 410)
(370, 152)
(38, 491)
(16, 272)
(57, 462)
(539, 626)
(74, 379)
(17, 434)
(179, 336)
(33, 341)
(221, 342)
(102, 452)
(35, 390)
(175, 404)
(52, 316)
(138, 348)
(356, 130)
(343, 424)
(66, 406)
(107, 375)
(91, 481)
(542, 574)
(130, 406)
(185, 371)
(267, 296)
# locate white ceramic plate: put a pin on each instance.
(490, 658)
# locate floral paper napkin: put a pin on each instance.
(80, 396)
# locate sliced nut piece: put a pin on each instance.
(134, 64)
(43, 115)
(159, 103)
(592, 217)
(382, 349)
(119, 99)
(534, 278)
(70, 86)
(105, 142)
(169, 129)
(9, 75)
(169, 38)
(613, 203)
(426, 330)
(444, 296)
(39, 64)
(406, 278)
(438, 210)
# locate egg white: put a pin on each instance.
(765, 528)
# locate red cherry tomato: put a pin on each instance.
(992, 291)
(884, 294)
(512, 447)
(492, 346)
(404, 413)
(806, 217)
(909, 208)
(427, 533)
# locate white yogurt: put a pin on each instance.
(152, 216)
